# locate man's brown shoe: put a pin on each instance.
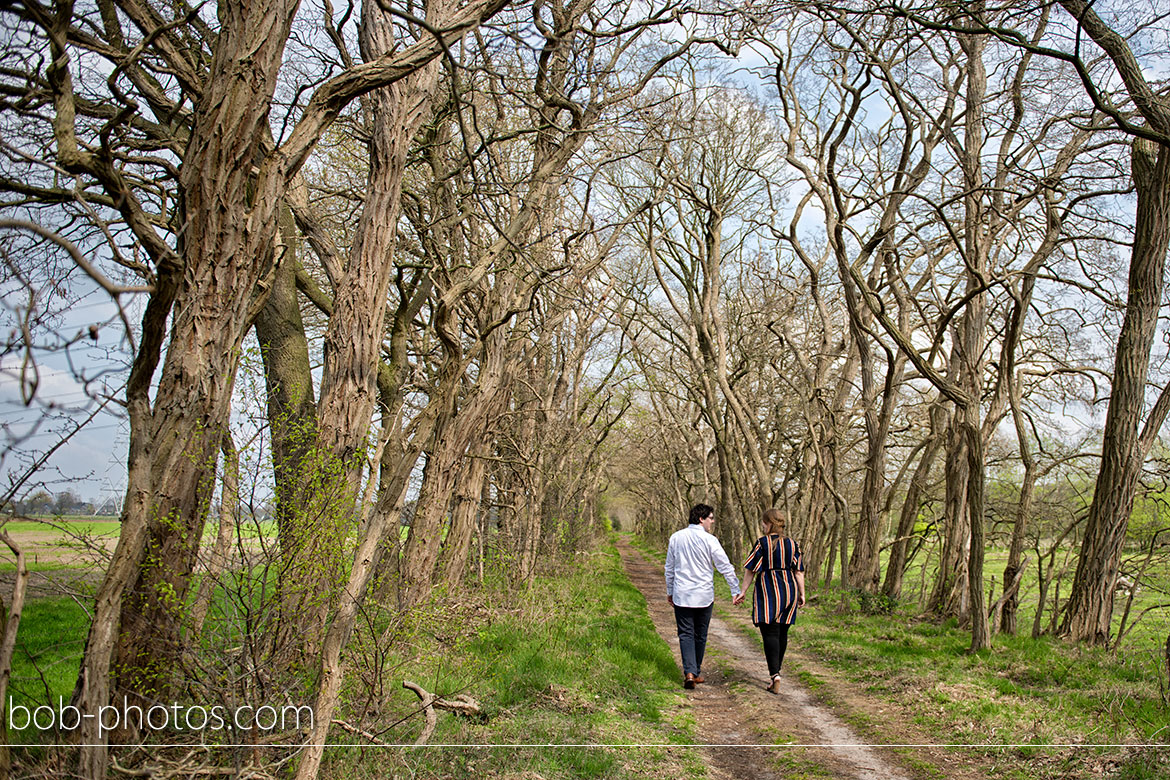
(689, 681)
(699, 679)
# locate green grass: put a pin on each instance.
(791, 766)
(69, 518)
(61, 542)
(1153, 626)
(567, 672)
(38, 565)
(48, 655)
(87, 525)
(562, 670)
(248, 529)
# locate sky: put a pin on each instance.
(75, 378)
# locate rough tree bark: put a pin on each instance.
(226, 250)
(292, 422)
(230, 192)
(950, 596)
(863, 571)
(353, 338)
(1010, 606)
(971, 334)
(1090, 606)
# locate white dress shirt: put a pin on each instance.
(690, 558)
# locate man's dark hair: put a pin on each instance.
(701, 512)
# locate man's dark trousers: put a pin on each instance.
(692, 625)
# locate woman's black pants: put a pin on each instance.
(775, 643)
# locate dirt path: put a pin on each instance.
(53, 583)
(744, 726)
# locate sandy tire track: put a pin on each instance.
(738, 720)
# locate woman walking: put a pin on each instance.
(775, 564)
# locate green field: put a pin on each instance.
(97, 525)
(1153, 626)
(48, 651)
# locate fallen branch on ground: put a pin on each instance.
(461, 704)
(363, 734)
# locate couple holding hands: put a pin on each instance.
(775, 565)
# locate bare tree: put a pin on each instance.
(707, 184)
(1139, 110)
(206, 288)
(831, 170)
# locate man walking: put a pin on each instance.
(690, 558)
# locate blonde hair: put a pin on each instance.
(774, 521)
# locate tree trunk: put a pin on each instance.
(976, 501)
(92, 690)
(229, 195)
(829, 446)
(896, 567)
(381, 526)
(217, 557)
(10, 615)
(863, 559)
(292, 421)
(190, 416)
(1010, 607)
(491, 399)
(292, 411)
(949, 597)
(526, 517)
(229, 225)
(357, 325)
(1090, 607)
(455, 433)
(972, 326)
(434, 501)
(864, 564)
(353, 339)
(813, 530)
(727, 530)
(466, 514)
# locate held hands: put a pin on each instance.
(737, 599)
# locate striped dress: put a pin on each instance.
(775, 560)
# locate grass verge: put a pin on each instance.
(572, 677)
